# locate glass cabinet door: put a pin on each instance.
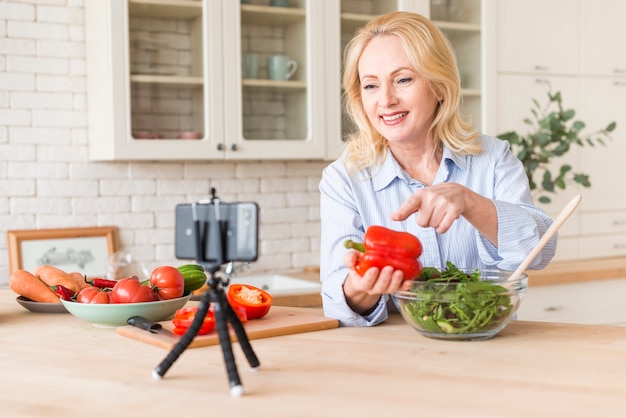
(278, 53)
(151, 93)
(274, 66)
(166, 70)
(460, 20)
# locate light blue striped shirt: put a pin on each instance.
(350, 205)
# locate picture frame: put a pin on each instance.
(83, 250)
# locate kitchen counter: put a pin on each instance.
(55, 365)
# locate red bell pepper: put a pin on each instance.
(256, 302)
(183, 318)
(385, 247)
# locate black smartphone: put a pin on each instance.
(231, 226)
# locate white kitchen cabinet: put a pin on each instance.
(158, 68)
(165, 77)
(538, 36)
(595, 89)
(515, 101)
(598, 302)
(603, 100)
(601, 32)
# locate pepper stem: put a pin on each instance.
(354, 245)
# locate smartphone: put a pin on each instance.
(233, 227)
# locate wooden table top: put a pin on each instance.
(56, 365)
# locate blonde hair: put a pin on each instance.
(432, 56)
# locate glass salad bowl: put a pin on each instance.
(467, 305)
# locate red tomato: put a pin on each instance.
(93, 294)
(130, 290)
(256, 302)
(168, 282)
(184, 317)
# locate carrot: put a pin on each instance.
(53, 276)
(26, 284)
(79, 278)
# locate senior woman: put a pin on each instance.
(415, 164)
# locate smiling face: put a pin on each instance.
(398, 102)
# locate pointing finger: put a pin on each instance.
(410, 206)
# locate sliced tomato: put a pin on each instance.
(256, 302)
(183, 318)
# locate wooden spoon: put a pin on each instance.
(565, 213)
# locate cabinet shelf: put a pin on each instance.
(167, 80)
(274, 85)
(177, 9)
(458, 27)
(350, 22)
(470, 92)
(268, 15)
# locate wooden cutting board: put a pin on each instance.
(279, 321)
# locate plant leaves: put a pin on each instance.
(551, 135)
(578, 126)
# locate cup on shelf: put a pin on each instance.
(280, 67)
(250, 65)
(279, 3)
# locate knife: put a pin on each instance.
(148, 325)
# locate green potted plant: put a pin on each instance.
(554, 131)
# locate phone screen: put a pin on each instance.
(228, 227)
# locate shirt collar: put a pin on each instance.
(458, 159)
(390, 168)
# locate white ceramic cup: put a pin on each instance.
(280, 67)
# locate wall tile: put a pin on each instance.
(47, 180)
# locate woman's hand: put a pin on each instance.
(363, 292)
(440, 205)
(436, 206)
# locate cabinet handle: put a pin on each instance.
(220, 147)
(620, 71)
(542, 81)
(234, 147)
(619, 246)
(541, 68)
(617, 222)
(619, 83)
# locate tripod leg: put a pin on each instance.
(236, 389)
(240, 332)
(186, 339)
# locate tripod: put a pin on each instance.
(224, 314)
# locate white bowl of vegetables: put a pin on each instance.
(461, 304)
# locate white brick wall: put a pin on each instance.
(47, 181)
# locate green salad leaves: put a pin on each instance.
(455, 302)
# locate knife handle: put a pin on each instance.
(144, 323)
